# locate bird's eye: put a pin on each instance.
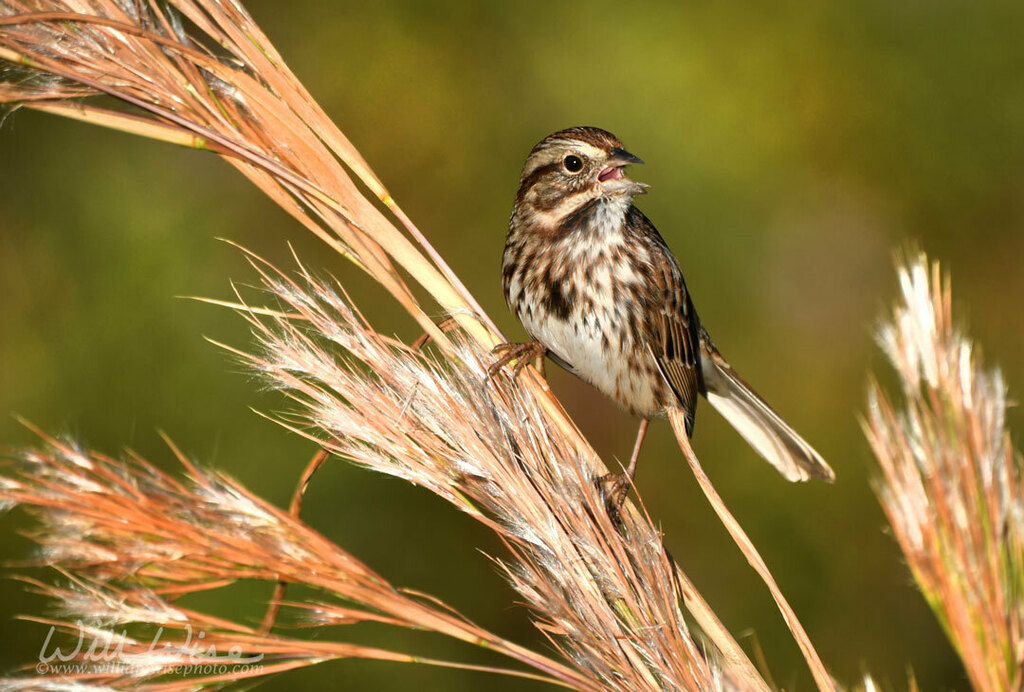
(573, 163)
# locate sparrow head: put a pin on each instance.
(578, 164)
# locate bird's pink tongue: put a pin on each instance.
(610, 173)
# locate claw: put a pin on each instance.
(518, 367)
(521, 353)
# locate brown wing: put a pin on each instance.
(671, 327)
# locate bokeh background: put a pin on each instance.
(791, 147)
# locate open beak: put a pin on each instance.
(612, 176)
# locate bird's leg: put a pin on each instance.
(621, 482)
(521, 353)
(641, 433)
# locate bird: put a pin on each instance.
(600, 293)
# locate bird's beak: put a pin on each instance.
(621, 157)
(612, 178)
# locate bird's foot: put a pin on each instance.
(615, 488)
(522, 353)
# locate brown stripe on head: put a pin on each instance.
(537, 172)
(602, 139)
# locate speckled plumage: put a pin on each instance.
(594, 282)
(591, 279)
(584, 292)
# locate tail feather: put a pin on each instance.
(759, 425)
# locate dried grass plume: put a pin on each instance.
(951, 485)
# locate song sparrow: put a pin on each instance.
(598, 290)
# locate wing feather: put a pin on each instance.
(671, 328)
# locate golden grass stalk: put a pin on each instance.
(131, 539)
(951, 485)
(225, 88)
(821, 677)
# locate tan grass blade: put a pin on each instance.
(821, 677)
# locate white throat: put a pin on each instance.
(610, 215)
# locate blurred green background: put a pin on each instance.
(790, 148)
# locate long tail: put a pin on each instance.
(759, 425)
